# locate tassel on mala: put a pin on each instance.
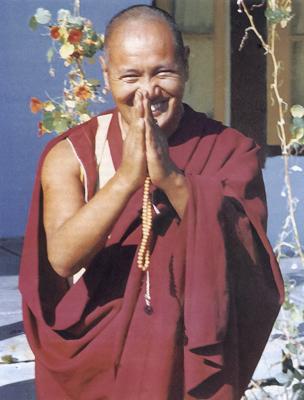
(143, 257)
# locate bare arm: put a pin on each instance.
(75, 231)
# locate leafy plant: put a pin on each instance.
(74, 40)
(278, 14)
(297, 126)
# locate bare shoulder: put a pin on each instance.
(63, 193)
(59, 164)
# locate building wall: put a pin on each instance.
(276, 196)
(23, 74)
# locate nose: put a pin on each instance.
(151, 87)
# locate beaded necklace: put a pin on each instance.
(143, 256)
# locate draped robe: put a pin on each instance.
(215, 284)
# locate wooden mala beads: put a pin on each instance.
(143, 255)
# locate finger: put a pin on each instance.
(147, 109)
(151, 135)
(149, 122)
(138, 104)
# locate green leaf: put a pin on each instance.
(297, 386)
(297, 111)
(277, 15)
(94, 36)
(7, 359)
(298, 133)
(82, 107)
(100, 45)
(300, 395)
(48, 121)
(298, 122)
(60, 125)
(292, 348)
(89, 50)
(94, 82)
(33, 23)
(297, 375)
(288, 305)
(50, 54)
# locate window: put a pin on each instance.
(204, 27)
(290, 51)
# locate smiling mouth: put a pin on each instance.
(159, 107)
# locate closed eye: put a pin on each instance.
(166, 73)
(130, 78)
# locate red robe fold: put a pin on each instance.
(215, 285)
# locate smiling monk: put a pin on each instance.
(194, 324)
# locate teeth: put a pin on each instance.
(155, 107)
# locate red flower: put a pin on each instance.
(75, 36)
(54, 32)
(35, 105)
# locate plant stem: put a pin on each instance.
(80, 70)
(291, 207)
(270, 50)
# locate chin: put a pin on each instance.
(168, 124)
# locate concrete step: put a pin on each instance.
(16, 358)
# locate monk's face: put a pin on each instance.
(142, 56)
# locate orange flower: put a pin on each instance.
(75, 36)
(82, 92)
(35, 105)
(54, 32)
(41, 129)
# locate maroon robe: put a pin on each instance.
(215, 284)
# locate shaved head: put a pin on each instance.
(145, 13)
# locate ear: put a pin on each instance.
(186, 61)
(104, 67)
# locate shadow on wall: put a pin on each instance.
(10, 253)
(11, 330)
(21, 390)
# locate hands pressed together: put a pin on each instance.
(76, 230)
(145, 151)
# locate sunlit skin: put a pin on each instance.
(146, 78)
(142, 57)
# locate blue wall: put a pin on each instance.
(277, 204)
(24, 73)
